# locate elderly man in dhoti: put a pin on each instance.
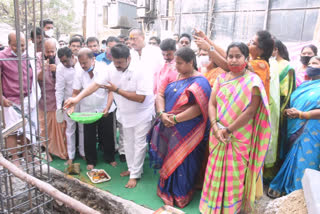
(11, 103)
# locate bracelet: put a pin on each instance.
(175, 119)
(160, 113)
(307, 115)
(117, 90)
(300, 115)
(213, 122)
(228, 130)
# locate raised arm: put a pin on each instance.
(77, 95)
(217, 54)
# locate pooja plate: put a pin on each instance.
(98, 176)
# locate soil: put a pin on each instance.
(293, 203)
(104, 202)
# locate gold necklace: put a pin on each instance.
(175, 86)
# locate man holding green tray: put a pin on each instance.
(135, 103)
(101, 101)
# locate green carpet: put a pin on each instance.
(145, 192)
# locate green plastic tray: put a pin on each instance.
(85, 117)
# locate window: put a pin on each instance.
(105, 15)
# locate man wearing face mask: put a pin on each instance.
(135, 104)
(307, 52)
(11, 93)
(101, 101)
(66, 71)
(56, 131)
(48, 29)
(106, 56)
(203, 61)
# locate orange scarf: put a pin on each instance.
(261, 68)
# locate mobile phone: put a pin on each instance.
(52, 60)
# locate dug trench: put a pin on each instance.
(100, 200)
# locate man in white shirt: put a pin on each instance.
(135, 102)
(65, 73)
(100, 101)
(148, 58)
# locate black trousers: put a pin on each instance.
(104, 127)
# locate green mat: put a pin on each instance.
(144, 194)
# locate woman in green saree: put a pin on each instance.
(277, 150)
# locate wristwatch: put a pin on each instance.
(211, 49)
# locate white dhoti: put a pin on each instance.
(12, 116)
(120, 142)
(81, 139)
(71, 137)
(135, 146)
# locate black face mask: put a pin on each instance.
(305, 59)
(311, 71)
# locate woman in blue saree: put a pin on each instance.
(179, 136)
(303, 134)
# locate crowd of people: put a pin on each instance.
(226, 122)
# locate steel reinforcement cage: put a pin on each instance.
(17, 196)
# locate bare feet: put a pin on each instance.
(69, 162)
(124, 173)
(114, 164)
(49, 158)
(90, 167)
(132, 183)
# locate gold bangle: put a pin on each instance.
(213, 122)
(308, 115)
(300, 115)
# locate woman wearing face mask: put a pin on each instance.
(260, 47)
(207, 67)
(282, 83)
(239, 115)
(303, 134)
(307, 52)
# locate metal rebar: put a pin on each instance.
(29, 88)
(44, 85)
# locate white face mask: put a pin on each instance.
(203, 61)
(49, 33)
